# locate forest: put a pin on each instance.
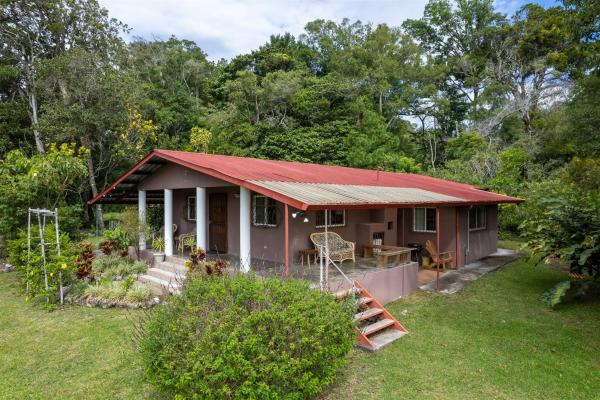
(509, 103)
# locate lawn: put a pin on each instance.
(495, 340)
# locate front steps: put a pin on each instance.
(165, 276)
(375, 326)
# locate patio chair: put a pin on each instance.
(339, 249)
(444, 258)
(186, 240)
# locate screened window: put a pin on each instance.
(477, 218)
(424, 219)
(265, 211)
(334, 218)
(191, 208)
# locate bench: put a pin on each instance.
(386, 253)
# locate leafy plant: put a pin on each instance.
(158, 244)
(84, 263)
(245, 337)
(107, 246)
(555, 295)
(117, 237)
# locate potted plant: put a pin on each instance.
(158, 244)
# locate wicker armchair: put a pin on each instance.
(186, 240)
(339, 249)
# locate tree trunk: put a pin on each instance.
(380, 103)
(94, 187)
(256, 109)
(34, 121)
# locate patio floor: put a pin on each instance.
(454, 280)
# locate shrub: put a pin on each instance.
(242, 337)
(138, 294)
(113, 265)
(84, 263)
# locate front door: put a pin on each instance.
(217, 222)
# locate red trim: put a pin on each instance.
(166, 155)
(287, 239)
(121, 178)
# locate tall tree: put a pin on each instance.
(33, 31)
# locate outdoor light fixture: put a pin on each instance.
(297, 214)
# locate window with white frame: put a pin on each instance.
(191, 208)
(334, 218)
(424, 219)
(477, 218)
(264, 211)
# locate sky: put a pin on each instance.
(226, 28)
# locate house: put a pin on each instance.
(249, 208)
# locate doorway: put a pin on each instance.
(217, 222)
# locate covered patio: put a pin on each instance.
(262, 212)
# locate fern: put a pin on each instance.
(555, 296)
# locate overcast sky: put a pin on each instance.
(226, 28)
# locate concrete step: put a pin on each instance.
(377, 326)
(383, 338)
(176, 260)
(368, 313)
(169, 276)
(171, 267)
(165, 286)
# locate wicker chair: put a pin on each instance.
(186, 240)
(339, 249)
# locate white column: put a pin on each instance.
(201, 218)
(142, 216)
(244, 229)
(168, 222)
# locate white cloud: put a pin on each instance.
(230, 27)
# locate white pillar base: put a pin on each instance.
(142, 217)
(201, 240)
(245, 212)
(168, 222)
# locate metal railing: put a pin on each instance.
(324, 270)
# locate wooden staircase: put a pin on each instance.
(375, 326)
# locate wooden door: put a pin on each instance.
(217, 216)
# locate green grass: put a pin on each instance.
(493, 340)
(71, 353)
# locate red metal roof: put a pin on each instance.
(246, 172)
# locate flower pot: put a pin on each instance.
(159, 257)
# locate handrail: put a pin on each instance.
(335, 265)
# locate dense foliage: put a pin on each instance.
(240, 337)
(504, 102)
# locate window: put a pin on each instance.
(191, 208)
(334, 218)
(265, 211)
(424, 219)
(477, 218)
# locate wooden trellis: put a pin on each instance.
(42, 214)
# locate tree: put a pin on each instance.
(529, 60)
(33, 31)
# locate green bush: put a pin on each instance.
(240, 337)
(115, 292)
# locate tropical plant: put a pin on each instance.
(158, 244)
(245, 337)
(84, 263)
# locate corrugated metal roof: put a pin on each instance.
(333, 194)
(250, 172)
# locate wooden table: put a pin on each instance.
(384, 253)
(307, 253)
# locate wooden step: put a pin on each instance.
(364, 300)
(368, 313)
(377, 326)
(384, 337)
